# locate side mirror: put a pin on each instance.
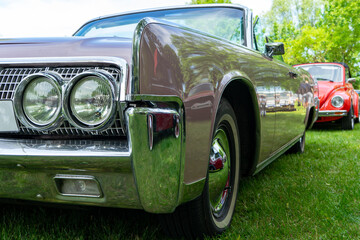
(351, 80)
(276, 48)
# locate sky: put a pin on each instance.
(60, 18)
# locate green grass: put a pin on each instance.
(315, 195)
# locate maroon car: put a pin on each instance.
(163, 110)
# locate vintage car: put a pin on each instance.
(155, 110)
(338, 100)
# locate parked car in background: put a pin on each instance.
(338, 100)
(163, 110)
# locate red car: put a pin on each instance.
(338, 100)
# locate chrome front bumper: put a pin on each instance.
(128, 172)
(332, 113)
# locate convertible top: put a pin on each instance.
(345, 66)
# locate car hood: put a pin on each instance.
(66, 47)
(326, 88)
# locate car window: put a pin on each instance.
(259, 36)
(227, 23)
(325, 72)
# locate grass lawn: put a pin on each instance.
(315, 195)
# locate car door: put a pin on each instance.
(266, 94)
(290, 115)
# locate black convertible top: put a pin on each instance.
(345, 66)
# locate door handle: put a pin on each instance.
(293, 75)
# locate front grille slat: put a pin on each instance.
(11, 77)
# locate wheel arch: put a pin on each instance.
(241, 94)
(311, 118)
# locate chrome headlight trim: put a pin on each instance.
(337, 101)
(108, 121)
(56, 80)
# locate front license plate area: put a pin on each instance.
(8, 121)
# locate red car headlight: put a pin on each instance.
(337, 101)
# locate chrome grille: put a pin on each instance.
(11, 77)
(102, 145)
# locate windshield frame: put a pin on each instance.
(247, 21)
(342, 69)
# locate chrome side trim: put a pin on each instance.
(277, 154)
(157, 98)
(333, 113)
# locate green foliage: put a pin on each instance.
(209, 1)
(317, 30)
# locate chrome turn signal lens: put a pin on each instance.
(90, 100)
(38, 101)
(337, 101)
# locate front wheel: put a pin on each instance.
(348, 122)
(211, 213)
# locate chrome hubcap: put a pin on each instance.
(219, 172)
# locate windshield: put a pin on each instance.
(320, 72)
(222, 22)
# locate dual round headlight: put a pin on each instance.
(337, 101)
(88, 101)
(38, 100)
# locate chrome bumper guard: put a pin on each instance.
(332, 113)
(128, 173)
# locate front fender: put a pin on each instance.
(340, 92)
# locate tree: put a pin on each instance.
(317, 30)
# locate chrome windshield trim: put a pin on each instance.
(237, 6)
(248, 27)
(332, 113)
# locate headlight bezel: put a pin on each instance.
(334, 99)
(107, 79)
(56, 80)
